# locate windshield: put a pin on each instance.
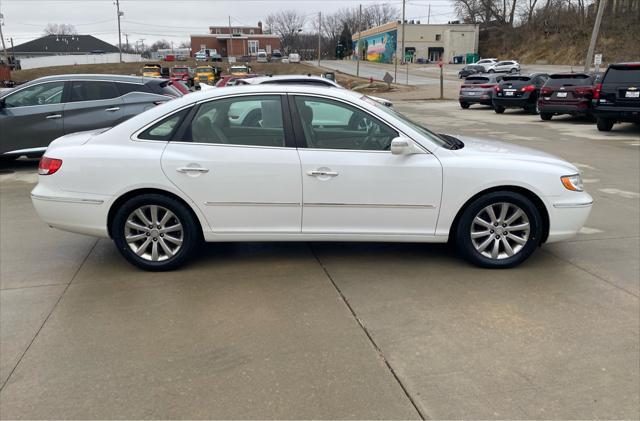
(434, 137)
(151, 69)
(180, 70)
(204, 70)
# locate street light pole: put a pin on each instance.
(403, 53)
(319, 36)
(119, 32)
(594, 36)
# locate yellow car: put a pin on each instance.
(205, 74)
(240, 70)
(151, 70)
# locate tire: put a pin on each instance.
(491, 71)
(465, 105)
(183, 242)
(604, 124)
(546, 116)
(514, 70)
(499, 109)
(522, 240)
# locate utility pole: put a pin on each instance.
(594, 36)
(4, 49)
(126, 42)
(359, 41)
(319, 36)
(403, 25)
(230, 52)
(13, 52)
(429, 15)
(120, 14)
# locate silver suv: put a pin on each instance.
(34, 114)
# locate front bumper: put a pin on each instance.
(568, 216)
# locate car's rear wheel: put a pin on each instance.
(155, 232)
(491, 71)
(546, 116)
(498, 109)
(513, 70)
(465, 105)
(604, 124)
(499, 230)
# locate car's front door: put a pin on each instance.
(91, 104)
(236, 159)
(31, 117)
(352, 183)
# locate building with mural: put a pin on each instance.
(422, 41)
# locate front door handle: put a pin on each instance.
(113, 109)
(53, 116)
(186, 170)
(314, 173)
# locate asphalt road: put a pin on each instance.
(419, 74)
(326, 330)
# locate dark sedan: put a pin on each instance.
(478, 89)
(519, 91)
(469, 70)
(566, 93)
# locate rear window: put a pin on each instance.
(623, 75)
(578, 79)
(476, 80)
(126, 88)
(180, 69)
(165, 128)
(520, 78)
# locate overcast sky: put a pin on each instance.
(174, 20)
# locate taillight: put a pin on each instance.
(596, 93)
(496, 88)
(48, 166)
(488, 85)
(585, 92)
(546, 91)
(528, 88)
(465, 86)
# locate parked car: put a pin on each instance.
(469, 70)
(566, 93)
(152, 70)
(240, 70)
(182, 73)
(34, 114)
(508, 66)
(302, 80)
(294, 58)
(518, 91)
(233, 80)
(486, 63)
(617, 97)
(478, 89)
(182, 86)
(201, 56)
(262, 57)
(276, 55)
(206, 74)
(182, 172)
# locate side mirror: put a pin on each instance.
(404, 146)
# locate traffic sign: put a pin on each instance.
(597, 59)
(387, 78)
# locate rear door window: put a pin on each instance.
(476, 80)
(626, 75)
(127, 88)
(92, 90)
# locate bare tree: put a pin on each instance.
(160, 45)
(287, 24)
(379, 14)
(185, 44)
(59, 29)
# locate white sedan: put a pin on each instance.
(305, 163)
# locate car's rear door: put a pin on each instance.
(236, 159)
(352, 183)
(91, 104)
(32, 117)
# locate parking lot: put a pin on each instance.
(331, 330)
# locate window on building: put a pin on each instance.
(253, 47)
(218, 31)
(438, 37)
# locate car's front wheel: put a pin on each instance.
(604, 124)
(465, 105)
(499, 230)
(155, 232)
(499, 109)
(546, 116)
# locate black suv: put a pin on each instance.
(617, 98)
(519, 91)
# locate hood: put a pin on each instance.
(497, 149)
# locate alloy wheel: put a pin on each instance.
(154, 233)
(500, 231)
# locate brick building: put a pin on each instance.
(236, 40)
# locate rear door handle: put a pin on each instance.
(53, 116)
(322, 172)
(186, 170)
(113, 109)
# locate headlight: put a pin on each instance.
(572, 182)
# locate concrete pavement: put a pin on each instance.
(327, 330)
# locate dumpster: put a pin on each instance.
(457, 59)
(471, 58)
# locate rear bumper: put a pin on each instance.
(475, 99)
(617, 113)
(513, 102)
(75, 212)
(566, 218)
(564, 108)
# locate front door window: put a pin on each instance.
(253, 48)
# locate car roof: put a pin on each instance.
(98, 77)
(291, 79)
